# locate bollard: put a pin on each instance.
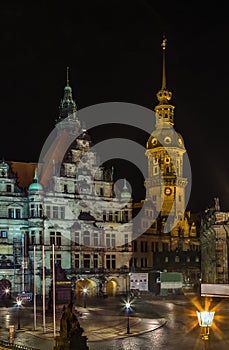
(11, 334)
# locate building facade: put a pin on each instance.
(69, 218)
(214, 238)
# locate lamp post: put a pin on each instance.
(127, 306)
(205, 319)
(84, 297)
(18, 313)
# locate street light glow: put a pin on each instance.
(19, 302)
(205, 318)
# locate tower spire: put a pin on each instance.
(164, 41)
(67, 74)
(164, 110)
(67, 106)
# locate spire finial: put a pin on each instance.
(163, 45)
(35, 178)
(67, 76)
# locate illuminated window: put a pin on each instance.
(3, 234)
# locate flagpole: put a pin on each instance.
(53, 292)
(43, 286)
(34, 288)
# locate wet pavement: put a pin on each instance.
(102, 320)
(156, 323)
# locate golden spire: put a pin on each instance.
(164, 41)
(67, 76)
(164, 110)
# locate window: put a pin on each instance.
(52, 238)
(57, 260)
(55, 238)
(62, 213)
(86, 261)
(33, 237)
(77, 261)
(104, 216)
(48, 211)
(86, 238)
(18, 213)
(143, 262)
(11, 213)
(58, 239)
(144, 247)
(125, 216)
(126, 239)
(135, 247)
(108, 240)
(14, 213)
(101, 192)
(110, 261)
(40, 238)
(55, 212)
(40, 212)
(32, 211)
(113, 242)
(110, 216)
(96, 261)
(8, 188)
(166, 259)
(155, 247)
(96, 239)
(77, 238)
(3, 234)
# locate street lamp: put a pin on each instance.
(205, 319)
(18, 313)
(84, 297)
(127, 306)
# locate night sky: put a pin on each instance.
(114, 54)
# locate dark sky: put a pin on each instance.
(113, 50)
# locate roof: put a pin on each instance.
(24, 171)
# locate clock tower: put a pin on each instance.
(165, 184)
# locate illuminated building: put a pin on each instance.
(93, 246)
(170, 240)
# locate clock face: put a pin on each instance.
(168, 191)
